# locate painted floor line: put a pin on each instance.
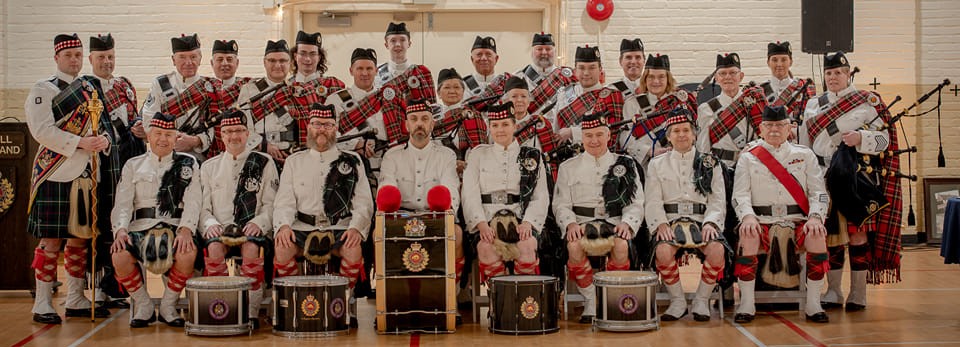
(96, 329)
(746, 333)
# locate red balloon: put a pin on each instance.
(438, 198)
(388, 199)
(600, 10)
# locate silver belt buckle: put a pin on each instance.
(778, 210)
(499, 197)
(685, 208)
(600, 212)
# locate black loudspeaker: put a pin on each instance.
(827, 26)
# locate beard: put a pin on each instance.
(543, 63)
(312, 141)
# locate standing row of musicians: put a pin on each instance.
(668, 164)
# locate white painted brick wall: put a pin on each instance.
(142, 29)
(693, 32)
(939, 56)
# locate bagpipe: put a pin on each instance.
(855, 180)
(200, 121)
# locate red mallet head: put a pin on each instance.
(438, 198)
(388, 199)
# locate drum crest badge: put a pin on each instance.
(310, 306)
(530, 309)
(415, 228)
(218, 309)
(628, 303)
(415, 258)
(336, 308)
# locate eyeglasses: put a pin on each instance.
(324, 126)
(308, 54)
(233, 132)
(775, 125)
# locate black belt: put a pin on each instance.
(675, 208)
(311, 219)
(724, 154)
(768, 210)
(505, 199)
(307, 218)
(588, 212)
(151, 212)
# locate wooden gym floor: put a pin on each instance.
(923, 310)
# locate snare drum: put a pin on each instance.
(310, 306)
(218, 306)
(524, 304)
(626, 300)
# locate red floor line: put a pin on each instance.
(415, 340)
(797, 330)
(34, 335)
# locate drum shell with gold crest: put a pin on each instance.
(626, 301)
(310, 306)
(415, 272)
(218, 306)
(524, 304)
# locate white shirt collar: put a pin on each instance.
(835, 96)
(229, 82)
(595, 87)
(329, 155)
(155, 159)
(675, 154)
(398, 67)
(65, 76)
(483, 78)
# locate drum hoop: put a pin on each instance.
(524, 279)
(306, 281)
(220, 282)
(616, 278)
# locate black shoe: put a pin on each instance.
(586, 319)
(743, 318)
(255, 321)
(47, 318)
(99, 312)
(114, 303)
(143, 323)
(353, 322)
(176, 323)
(851, 307)
(668, 318)
(701, 317)
(459, 320)
(830, 305)
(820, 317)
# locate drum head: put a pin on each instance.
(304, 281)
(625, 277)
(523, 279)
(219, 282)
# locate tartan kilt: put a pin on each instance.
(50, 213)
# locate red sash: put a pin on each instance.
(785, 178)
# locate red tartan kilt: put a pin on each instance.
(50, 213)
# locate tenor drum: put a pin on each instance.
(310, 306)
(218, 306)
(524, 304)
(415, 272)
(626, 301)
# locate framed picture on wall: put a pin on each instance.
(936, 192)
